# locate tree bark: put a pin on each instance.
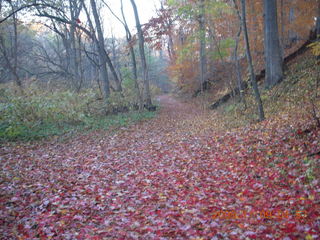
(249, 58)
(147, 95)
(203, 59)
(282, 21)
(133, 58)
(13, 65)
(74, 12)
(273, 58)
(100, 45)
(236, 58)
(318, 22)
(171, 50)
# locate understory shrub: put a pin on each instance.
(40, 112)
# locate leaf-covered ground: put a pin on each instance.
(172, 177)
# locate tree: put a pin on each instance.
(236, 58)
(133, 58)
(101, 48)
(249, 58)
(203, 59)
(147, 95)
(66, 24)
(12, 63)
(24, 6)
(273, 58)
(74, 9)
(132, 52)
(318, 22)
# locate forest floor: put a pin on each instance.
(171, 177)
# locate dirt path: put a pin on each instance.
(154, 180)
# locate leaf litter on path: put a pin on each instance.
(171, 177)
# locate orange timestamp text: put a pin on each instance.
(261, 214)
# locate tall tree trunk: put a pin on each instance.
(66, 43)
(133, 58)
(255, 29)
(236, 58)
(274, 72)
(9, 64)
(100, 45)
(203, 59)
(143, 57)
(318, 22)
(282, 21)
(73, 50)
(211, 42)
(81, 70)
(169, 27)
(102, 51)
(249, 58)
(171, 50)
(14, 66)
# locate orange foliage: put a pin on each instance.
(295, 18)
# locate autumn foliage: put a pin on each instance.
(166, 179)
(184, 172)
(176, 29)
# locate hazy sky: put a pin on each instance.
(146, 9)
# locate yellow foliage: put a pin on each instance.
(315, 48)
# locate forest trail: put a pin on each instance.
(159, 179)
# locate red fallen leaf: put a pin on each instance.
(96, 238)
(78, 21)
(289, 227)
(20, 228)
(144, 183)
(250, 234)
(299, 131)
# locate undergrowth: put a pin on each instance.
(297, 94)
(40, 113)
(292, 107)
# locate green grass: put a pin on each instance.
(41, 113)
(28, 132)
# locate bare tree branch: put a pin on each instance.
(28, 6)
(59, 19)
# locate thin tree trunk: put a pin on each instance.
(143, 57)
(74, 13)
(274, 72)
(255, 29)
(14, 66)
(211, 48)
(249, 58)
(115, 57)
(282, 41)
(203, 59)
(236, 58)
(133, 58)
(8, 63)
(81, 70)
(73, 51)
(318, 22)
(100, 45)
(171, 50)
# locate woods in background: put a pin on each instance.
(65, 44)
(200, 45)
(217, 35)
